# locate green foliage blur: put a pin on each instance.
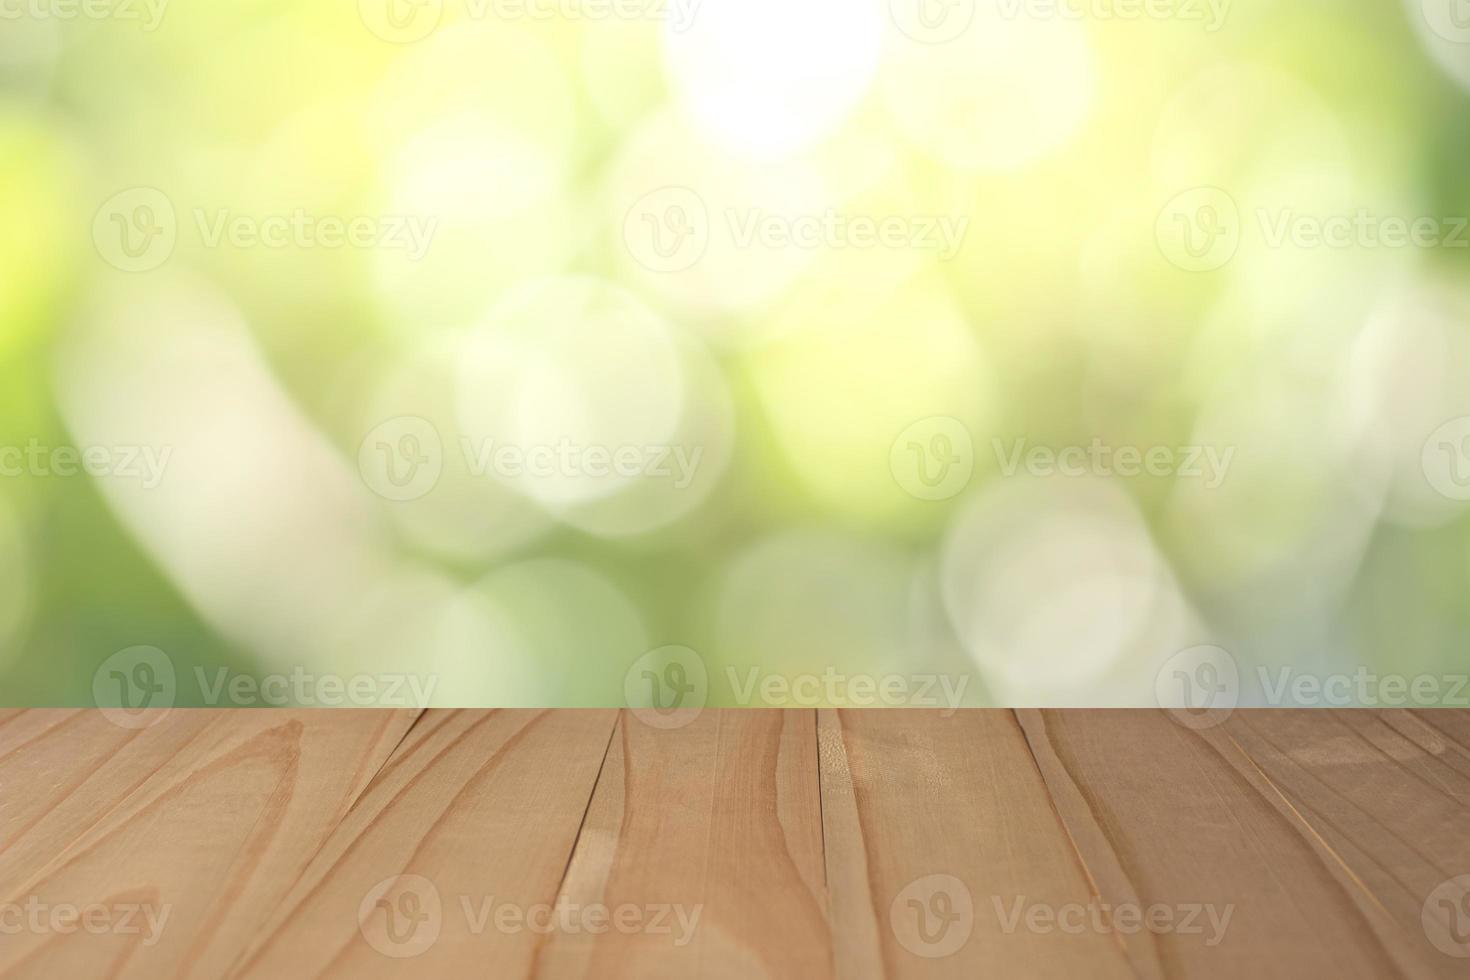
(898, 290)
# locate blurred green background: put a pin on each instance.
(293, 273)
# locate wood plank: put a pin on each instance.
(477, 809)
(940, 832)
(1443, 735)
(717, 822)
(1268, 816)
(197, 855)
(43, 754)
(863, 844)
(70, 770)
(1388, 818)
(22, 725)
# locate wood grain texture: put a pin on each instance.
(1323, 833)
(937, 828)
(749, 843)
(201, 848)
(76, 767)
(477, 810)
(715, 830)
(1386, 818)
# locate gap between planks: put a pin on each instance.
(807, 842)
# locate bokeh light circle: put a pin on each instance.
(767, 78)
(561, 373)
(848, 378)
(1007, 91)
(465, 514)
(684, 219)
(1405, 385)
(1056, 589)
(487, 159)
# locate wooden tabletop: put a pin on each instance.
(739, 843)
